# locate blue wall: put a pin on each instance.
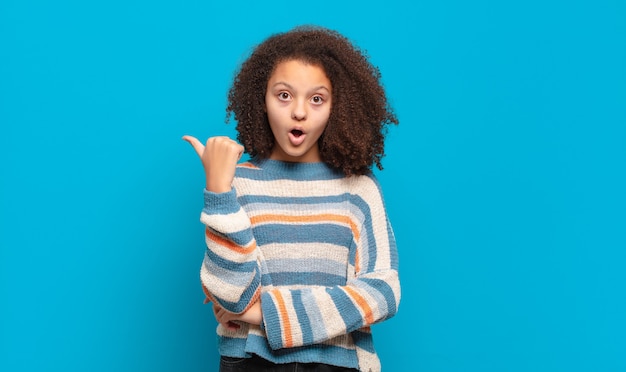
(505, 181)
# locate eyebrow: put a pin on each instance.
(292, 88)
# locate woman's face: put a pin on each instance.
(298, 101)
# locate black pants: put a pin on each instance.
(256, 363)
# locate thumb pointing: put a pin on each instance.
(197, 145)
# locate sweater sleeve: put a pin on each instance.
(230, 275)
(314, 314)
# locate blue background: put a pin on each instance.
(505, 180)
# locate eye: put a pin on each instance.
(317, 100)
(284, 96)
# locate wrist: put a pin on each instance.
(217, 187)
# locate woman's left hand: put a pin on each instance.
(251, 316)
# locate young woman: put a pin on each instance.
(301, 258)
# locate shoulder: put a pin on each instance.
(367, 183)
(366, 191)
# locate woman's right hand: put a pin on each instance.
(219, 158)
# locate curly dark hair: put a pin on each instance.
(354, 137)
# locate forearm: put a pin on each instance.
(294, 318)
(229, 273)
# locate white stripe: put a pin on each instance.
(368, 190)
(256, 330)
(229, 254)
(344, 341)
(373, 302)
(240, 332)
(306, 265)
(290, 188)
(296, 331)
(328, 312)
(306, 250)
(295, 209)
(226, 223)
(227, 292)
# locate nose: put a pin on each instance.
(299, 110)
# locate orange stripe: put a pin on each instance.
(357, 263)
(326, 217)
(248, 165)
(208, 297)
(282, 310)
(367, 310)
(229, 244)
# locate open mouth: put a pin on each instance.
(297, 137)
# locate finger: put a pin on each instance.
(241, 150)
(232, 326)
(216, 310)
(197, 145)
(221, 315)
(229, 144)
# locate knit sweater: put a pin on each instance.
(318, 250)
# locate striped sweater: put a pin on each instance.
(316, 247)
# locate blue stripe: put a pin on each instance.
(266, 281)
(352, 254)
(247, 267)
(318, 233)
(271, 318)
(232, 347)
(277, 170)
(283, 200)
(393, 249)
(241, 238)
(246, 296)
(349, 313)
(303, 319)
(234, 278)
(385, 290)
(222, 203)
(367, 229)
(314, 314)
(318, 353)
(307, 278)
(364, 341)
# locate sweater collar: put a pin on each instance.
(310, 171)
